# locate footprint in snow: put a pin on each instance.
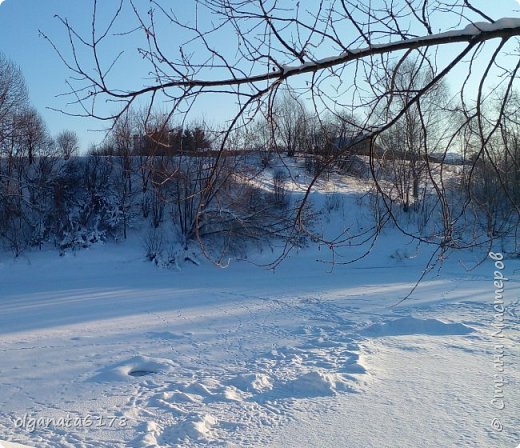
(136, 367)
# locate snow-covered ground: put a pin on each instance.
(103, 349)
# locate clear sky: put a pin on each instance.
(45, 74)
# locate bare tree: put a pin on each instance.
(492, 180)
(13, 97)
(32, 133)
(23, 141)
(67, 142)
(121, 141)
(415, 136)
(289, 120)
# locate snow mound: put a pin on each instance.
(312, 384)
(410, 326)
(166, 335)
(4, 444)
(233, 394)
(254, 382)
(195, 388)
(195, 428)
(138, 366)
(202, 426)
(181, 397)
(152, 431)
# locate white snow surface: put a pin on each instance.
(100, 348)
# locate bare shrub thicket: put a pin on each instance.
(492, 180)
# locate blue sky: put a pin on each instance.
(45, 74)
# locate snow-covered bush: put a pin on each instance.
(154, 245)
